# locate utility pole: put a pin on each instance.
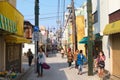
(74, 27)
(90, 38)
(36, 24)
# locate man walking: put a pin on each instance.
(30, 56)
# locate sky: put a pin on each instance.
(48, 12)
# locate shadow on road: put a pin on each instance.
(56, 72)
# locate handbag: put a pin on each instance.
(45, 66)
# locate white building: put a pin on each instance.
(108, 23)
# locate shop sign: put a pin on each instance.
(7, 24)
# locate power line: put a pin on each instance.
(63, 11)
(45, 17)
(45, 14)
(58, 9)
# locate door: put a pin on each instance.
(116, 54)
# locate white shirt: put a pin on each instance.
(41, 57)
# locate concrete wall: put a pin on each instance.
(2, 53)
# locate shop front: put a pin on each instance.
(113, 31)
(11, 37)
(97, 44)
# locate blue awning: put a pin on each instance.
(84, 40)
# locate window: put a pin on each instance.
(95, 17)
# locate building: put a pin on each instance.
(111, 33)
(79, 28)
(67, 32)
(11, 36)
(28, 33)
(106, 22)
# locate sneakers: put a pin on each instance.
(79, 73)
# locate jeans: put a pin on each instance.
(29, 61)
(69, 64)
(39, 68)
(80, 68)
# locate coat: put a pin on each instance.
(70, 57)
(80, 59)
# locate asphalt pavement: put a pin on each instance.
(59, 71)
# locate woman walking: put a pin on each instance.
(40, 60)
(69, 57)
(80, 61)
(101, 63)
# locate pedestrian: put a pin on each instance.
(41, 58)
(95, 60)
(80, 61)
(75, 58)
(62, 52)
(101, 63)
(69, 57)
(30, 56)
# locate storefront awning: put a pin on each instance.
(112, 28)
(16, 39)
(84, 40)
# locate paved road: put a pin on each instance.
(60, 71)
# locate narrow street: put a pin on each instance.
(59, 71)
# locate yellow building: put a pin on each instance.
(80, 25)
(11, 36)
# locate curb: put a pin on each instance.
(22, 75)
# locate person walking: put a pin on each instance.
(41, 58)
(62, 52)
(75, 58)
(101, 63)
(30, 56)
(80, 61)
(69, 57)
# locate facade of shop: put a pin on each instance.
(11, 37)
(113, 31)
(108, 27)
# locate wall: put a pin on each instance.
(113, 6)
(104, 20)
(2, 53)
(96, 7)
(80, 25)
(8, 11)
(102, 7)
(27, 46)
